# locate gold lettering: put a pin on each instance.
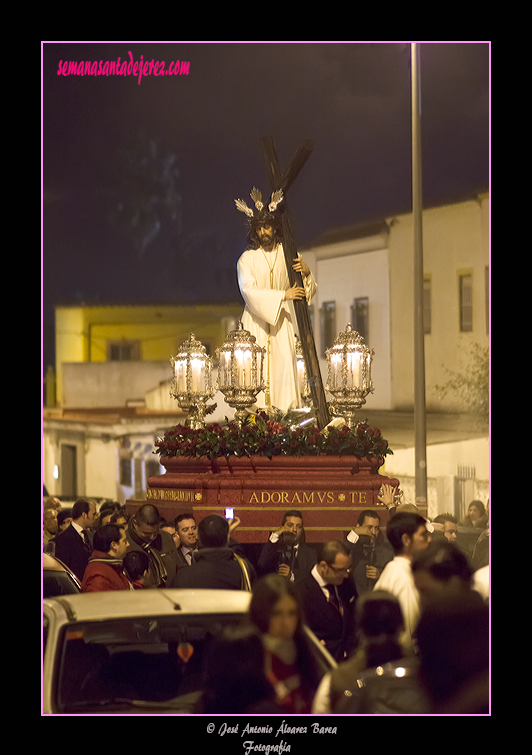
(254, 497)
(330, 497)
(263, 499)
(172, 495)
(276, 497)
(296, 498)
(284, 497)
(308, 497)
(360, 498)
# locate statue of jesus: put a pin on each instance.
(269, 312)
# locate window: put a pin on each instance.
(360, 317)
(123, 351)
(126, 476)
(466, 302)
(427, 305)
(101, 663)
(153, 468)
(327, 325)
(68, 471)
(56, 583)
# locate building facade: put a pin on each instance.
(113, 375)
(365, 277)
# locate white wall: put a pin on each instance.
(443, 459)
(108, 384)
(98, 452)
(455, 241)
(443, 462)
(342, 279)
(54, 435)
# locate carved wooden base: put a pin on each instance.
(330, 491)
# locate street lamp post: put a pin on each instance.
(420, 429)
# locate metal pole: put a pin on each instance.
(419, 335)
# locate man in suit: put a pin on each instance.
(187, 532)
(144, 534)
(369, 550)
(73, 546)
(286, 552)
(216, 566)
(328, 596)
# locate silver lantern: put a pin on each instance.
(240, 370)
(192, 380)
(349, 373)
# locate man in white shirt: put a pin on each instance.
(408, 535)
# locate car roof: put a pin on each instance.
(118, 604)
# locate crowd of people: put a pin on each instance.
(403, 609)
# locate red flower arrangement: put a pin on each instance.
(261, 436)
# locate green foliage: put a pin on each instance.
(259, 435)
(472, 384)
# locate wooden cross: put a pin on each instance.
(284, 181)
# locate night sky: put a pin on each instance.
(351, 99)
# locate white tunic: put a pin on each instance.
(263, 280)
(397, 578)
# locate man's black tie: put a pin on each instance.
(85, 539)
(333, 597)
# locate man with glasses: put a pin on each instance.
(328, 597)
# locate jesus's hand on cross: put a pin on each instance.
(296, 292)
(301, 266)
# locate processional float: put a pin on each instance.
(255, 465)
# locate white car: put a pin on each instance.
(136, 651)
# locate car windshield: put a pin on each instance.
(58, 583)
(147, 662)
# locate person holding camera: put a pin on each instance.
(286, 552)
(371, 553)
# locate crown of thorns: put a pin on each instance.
(258, 211)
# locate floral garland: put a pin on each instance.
(260, 435)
